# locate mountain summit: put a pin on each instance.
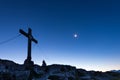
(10, 70)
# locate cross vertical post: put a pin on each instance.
(31, 39)
(29, 44)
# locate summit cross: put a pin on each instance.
(30, 39)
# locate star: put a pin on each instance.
(75, 35)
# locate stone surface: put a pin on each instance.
(13, 71)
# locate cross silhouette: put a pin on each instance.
(30, 39)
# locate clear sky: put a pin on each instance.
(54, 22)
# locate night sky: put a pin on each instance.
(54, 24)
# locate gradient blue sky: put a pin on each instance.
(97, 23)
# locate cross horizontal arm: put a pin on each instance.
(34, 40)
(24, 33)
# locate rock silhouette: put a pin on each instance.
(10, 70)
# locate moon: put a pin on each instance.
(75, 35)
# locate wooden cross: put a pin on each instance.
(30, 39)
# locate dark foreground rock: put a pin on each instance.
(13, 71)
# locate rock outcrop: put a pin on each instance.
(13, 71)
